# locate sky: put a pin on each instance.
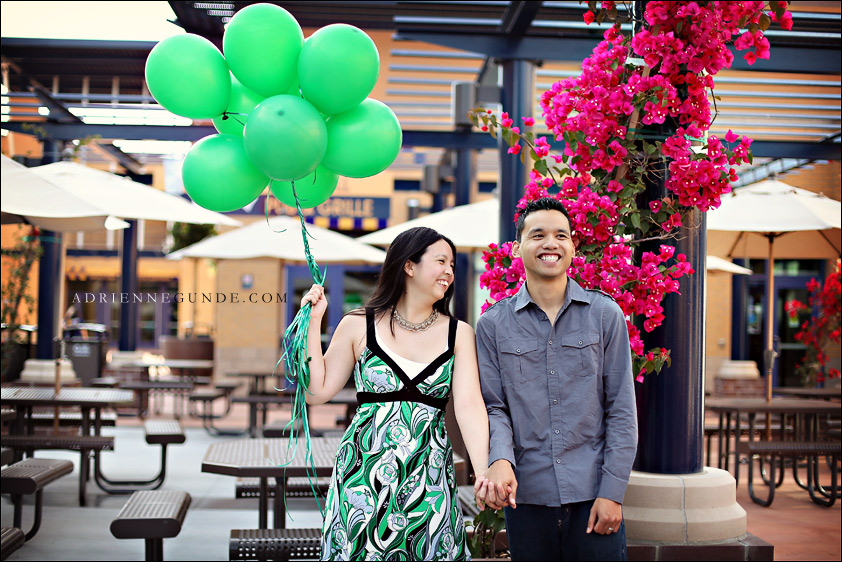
(126, 21)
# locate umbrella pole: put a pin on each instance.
(770, 324)
(58, 386)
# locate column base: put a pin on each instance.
(683, 508)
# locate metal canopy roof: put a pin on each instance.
(791, 100)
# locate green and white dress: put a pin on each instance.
(393, 493)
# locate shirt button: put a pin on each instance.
(558, 461)
(580, 343)
(551, 342)
(556, 432)
(552, 372)
(518, 350)
(555, 401)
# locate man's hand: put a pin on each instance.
(606, 516)
(499, 486)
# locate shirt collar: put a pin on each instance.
(574, 292)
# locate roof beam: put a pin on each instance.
(785, 58)
(440, 139)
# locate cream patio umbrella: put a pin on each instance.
(475, 226)
(470, 227)
(715, 264)
(28, 198)
(281, 238)
(794, 223)
(125, 198)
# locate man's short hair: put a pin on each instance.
(542, 204)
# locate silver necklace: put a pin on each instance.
(420, 327)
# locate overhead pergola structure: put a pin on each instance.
(509, 50)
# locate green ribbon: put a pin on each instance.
(297, 364)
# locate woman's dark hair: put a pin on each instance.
(409, 245)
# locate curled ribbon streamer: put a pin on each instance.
(297, 361)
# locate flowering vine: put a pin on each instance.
(629, 83)
(821, 330)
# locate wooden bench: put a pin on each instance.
(295, 487)
(11, 539)
(29, 476)
(7, 456)
(158, 432)
(152, 516)
(275, 544)
(82, 443)
(794, 449)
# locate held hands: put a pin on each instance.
(316, 297)
(606, 516)
(497, 488)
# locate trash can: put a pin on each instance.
(86, 346)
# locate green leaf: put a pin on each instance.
(493, 132)
(541, 167)
(523, 156)
(507, 136)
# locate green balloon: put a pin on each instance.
(285, 137)
(261, 44)
(218, 175)
(242, 102)
(338, 68)
(364, 141)
(295, 89)
(312, 190)
(187, 75)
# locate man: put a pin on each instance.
(555, 368)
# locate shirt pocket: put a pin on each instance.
(520, 359)
(582, 352)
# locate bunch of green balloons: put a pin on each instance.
(287, 109)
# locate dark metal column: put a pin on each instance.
(50, 276)
(128, 288)
(517, 99)
(669, 405)
(463, 175)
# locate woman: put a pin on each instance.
(393, 492)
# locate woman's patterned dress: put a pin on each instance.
(393, 493)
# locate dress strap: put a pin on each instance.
(451, 334)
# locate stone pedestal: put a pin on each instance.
(43, 371)
(738, 379)
(685, 509)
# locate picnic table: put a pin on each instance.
(270, 458)
(804, 414)
(801, 392)
(89, 400)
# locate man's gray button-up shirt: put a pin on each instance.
(563, 415)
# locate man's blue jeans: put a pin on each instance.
(539, 532)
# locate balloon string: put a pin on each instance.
(266, 209)
(298, 369)
(225, 115)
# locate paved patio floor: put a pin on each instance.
(799, 529)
